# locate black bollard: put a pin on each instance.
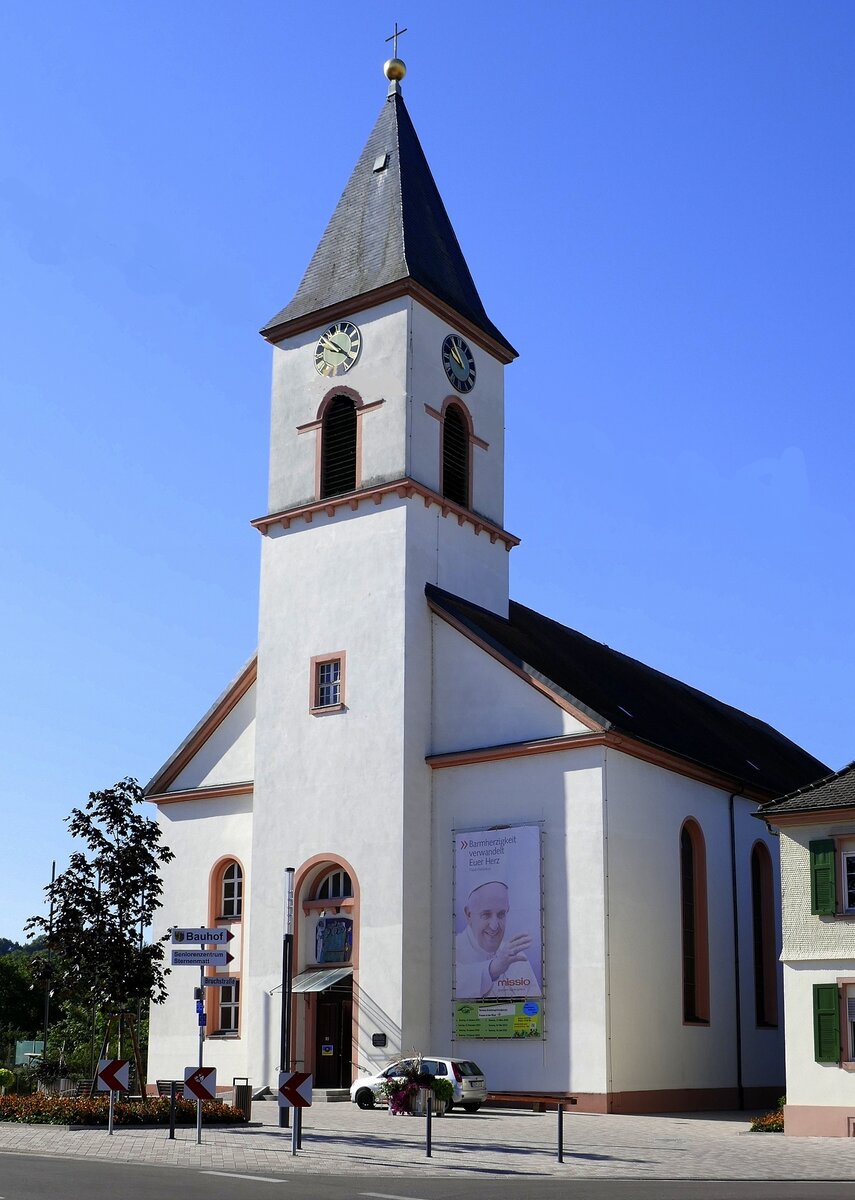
(561, 1133)
(428, 1111)
(172, 1110)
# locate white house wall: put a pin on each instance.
(479, 702)
(228, 755)
(200, 833)
(429, 386)
(380, 373)
(564, 792)
(651, 1047)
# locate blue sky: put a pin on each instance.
(656, 203)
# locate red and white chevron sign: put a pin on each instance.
(295, 1090)
(200, 1083)
(113, 1074)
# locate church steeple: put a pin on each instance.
(389, 236)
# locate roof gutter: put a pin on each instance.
(740, 1089)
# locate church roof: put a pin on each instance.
(389, 227)
(627, 697)
(832, 791)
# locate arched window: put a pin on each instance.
(335, 885)
(763, 913)
(231, 891)
(693, 904)
(338, 447)
(455, 455)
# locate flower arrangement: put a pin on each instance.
(772, 1122)
(401, 1093)
(42, 1109)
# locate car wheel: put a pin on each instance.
(365, 1098)
(471, 1108)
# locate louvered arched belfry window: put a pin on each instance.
(338, 447)
(455, 455)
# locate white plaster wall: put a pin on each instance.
(429, 385)
(479, 702)
(564, 792)
(228, 756)
(651, 1048)
(331, 784)
(807, 936)
(200, 833)
(380, 373)
(810, 1082)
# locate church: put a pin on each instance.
(510, 843)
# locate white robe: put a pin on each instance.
(472, 973)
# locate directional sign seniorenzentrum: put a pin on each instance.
(201, 937)
(201, 958)
(113, 1074)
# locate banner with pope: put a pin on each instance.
(498, 946)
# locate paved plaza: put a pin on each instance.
(342, 1139)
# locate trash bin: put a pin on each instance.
(243, 1095)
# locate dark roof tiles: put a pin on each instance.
(637, 700)
(389, 225)
(831, 791)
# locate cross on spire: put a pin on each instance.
(394, 39)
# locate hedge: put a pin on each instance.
(41, 1109)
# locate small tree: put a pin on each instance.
(102, 903)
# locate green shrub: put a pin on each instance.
(7, 1078)
(40, 1109)
(772, 1122)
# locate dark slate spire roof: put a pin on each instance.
(630, 698)
(389, 226)
(830, 792)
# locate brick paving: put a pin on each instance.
(340, 1139)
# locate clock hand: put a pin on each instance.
(334, 346)
(456, 354)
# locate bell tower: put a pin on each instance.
(386, 473)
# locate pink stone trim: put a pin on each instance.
(410, 488)
(702, 941)
(317, 425)
(306, 872)
(215, 919)
(819, 1120)
(319, 710)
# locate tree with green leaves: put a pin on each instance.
(95, 953)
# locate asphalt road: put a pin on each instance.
(30, 1177)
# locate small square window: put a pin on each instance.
(327, 683)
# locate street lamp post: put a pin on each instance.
(287, 977)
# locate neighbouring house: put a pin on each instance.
(817, 834)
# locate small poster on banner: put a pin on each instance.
(499, 1019)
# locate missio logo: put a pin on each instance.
(514, 983)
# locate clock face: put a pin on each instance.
(337, 349)
(459, 363)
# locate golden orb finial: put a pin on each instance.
(394, 69)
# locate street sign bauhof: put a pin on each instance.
(113, 1074)
(200, 1083)
(295, 1090)
(201, 958)
(201, 937)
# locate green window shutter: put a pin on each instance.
(826, 1023)
(823, 887)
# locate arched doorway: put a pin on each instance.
(326, 962)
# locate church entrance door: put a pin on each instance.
(334, 1035)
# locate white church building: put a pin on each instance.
(511, 843)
